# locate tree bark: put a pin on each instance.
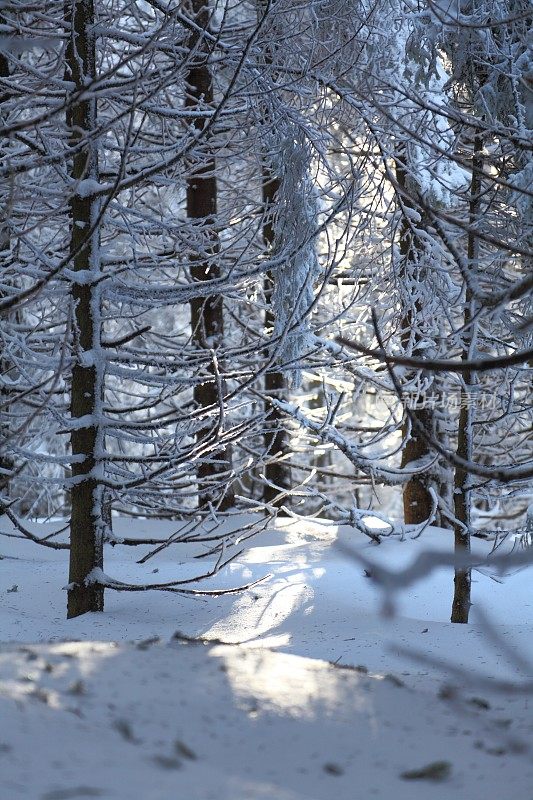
(207, 314)
(6, 462)
(462, 492)
(417, 501)
(86, 529)
(276, 438)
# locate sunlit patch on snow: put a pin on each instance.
(284, 599)
(375, 523)
(263, 681)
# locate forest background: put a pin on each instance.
(271, 257)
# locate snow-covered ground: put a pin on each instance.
(113, 715)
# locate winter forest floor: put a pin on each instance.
(308, 694)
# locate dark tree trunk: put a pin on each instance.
(6, 463)
(462, 492)
(462, 504)
(86, 530)
(276, 436)
(417, 502)
(207, 314)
